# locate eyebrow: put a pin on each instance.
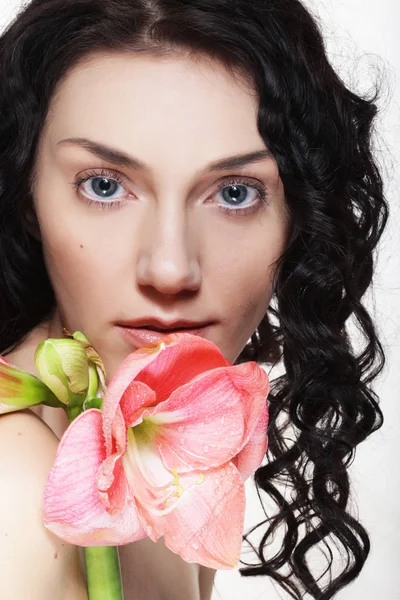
(117, 157)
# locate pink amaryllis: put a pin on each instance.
(180, 430)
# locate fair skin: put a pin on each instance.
(168, 250)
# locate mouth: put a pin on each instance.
(167, 330)
(143, 335)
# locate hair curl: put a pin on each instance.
(320, 135)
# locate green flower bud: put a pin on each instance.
(20, 390)
(73, 370)
(64, 367)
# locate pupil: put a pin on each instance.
(103, 185)
(235, 193)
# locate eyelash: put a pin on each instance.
(261, 189)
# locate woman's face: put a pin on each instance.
(167, 248)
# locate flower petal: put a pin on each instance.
(207, 521)
(71, 503)
(252, 454)
(149, 481)
(110, 479)
(206, 422)
(181, 361)
(136, 396)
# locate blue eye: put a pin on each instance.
(104, 187)
(101, 185)
(236, 199)
(234, 192)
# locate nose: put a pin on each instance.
(167, 257)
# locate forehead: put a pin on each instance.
(151, 101)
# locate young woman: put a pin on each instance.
(183, 163)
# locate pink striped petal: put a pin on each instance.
(206, 523)
(206, 422)
(252, 454)
(148, 479)
(109, 477)
(179, 363)
(116, 388)
(136, 396)
(72, 506)
(118, 431)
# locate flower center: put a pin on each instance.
(146, 430)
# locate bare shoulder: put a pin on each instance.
(27, 449)
(27, 420)
(51, 567)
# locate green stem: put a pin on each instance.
(103, 573)
(73, 412)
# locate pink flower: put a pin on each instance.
(180, 430)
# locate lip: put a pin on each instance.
(141, 337)
(161, 324)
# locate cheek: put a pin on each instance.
(79, 266)
(81, 248)
(247, 296)
(245, 268)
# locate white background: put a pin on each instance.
(362, 40)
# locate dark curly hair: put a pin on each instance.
(319, 133)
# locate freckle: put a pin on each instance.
(19, 433)
(6, 534)
(56, 555)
